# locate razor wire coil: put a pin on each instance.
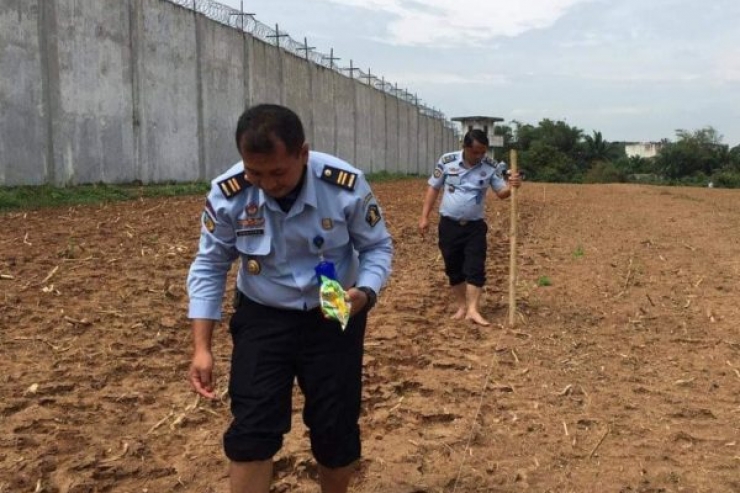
(247, 23)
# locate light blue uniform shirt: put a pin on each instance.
(335, 216)
(464, 193)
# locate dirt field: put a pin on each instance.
(621, 375)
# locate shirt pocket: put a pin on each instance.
(254, 245)
(453, 180)
(331, 240)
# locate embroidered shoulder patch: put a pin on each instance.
(449, 158)
(372, 216)
(233, 185)
(207, 222)
(339, 177)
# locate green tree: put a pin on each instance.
(550, 151)
(733, 157)
(561, 136)
(693, 155)
(635, 165)
(595, 149)
(604, 172)
(507, 133)
(543, 162)
(525, 135)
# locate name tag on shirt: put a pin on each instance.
(250, 232)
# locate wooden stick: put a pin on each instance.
(600, 442)
(512, 246)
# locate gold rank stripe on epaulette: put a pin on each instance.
(339, 177)
(233, 185)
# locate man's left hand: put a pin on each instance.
(357, 299)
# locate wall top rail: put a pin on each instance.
(243, 21)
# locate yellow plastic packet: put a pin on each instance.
(334, 303)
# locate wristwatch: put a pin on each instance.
(372, 296)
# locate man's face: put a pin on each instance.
(276, 173)
(474, 153)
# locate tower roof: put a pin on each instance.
(466, 118)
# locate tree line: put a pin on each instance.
(554, 151)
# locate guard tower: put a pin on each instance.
(485, 123)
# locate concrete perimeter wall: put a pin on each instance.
(119, 91)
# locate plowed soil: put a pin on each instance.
(621, 374)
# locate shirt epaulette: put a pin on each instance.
(449, 158)
(233, 185)
(339, 177)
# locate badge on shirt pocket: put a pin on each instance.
(250, 226)
(333, 238)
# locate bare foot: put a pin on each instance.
(477, 318)
(459, 314)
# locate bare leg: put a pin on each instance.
(336, 480)
(458, 293)
(473, 311)
(251, 477)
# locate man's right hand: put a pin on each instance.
(200, 374)
(423, 225)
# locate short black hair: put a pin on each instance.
(476, 135)
(260, 125)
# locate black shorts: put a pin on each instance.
(463, 248)
(272, 347)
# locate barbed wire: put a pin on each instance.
(246, 22)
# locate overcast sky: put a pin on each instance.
(635, 70)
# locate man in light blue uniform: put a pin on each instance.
(464, 178)
(282, 211)
(279, 250)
